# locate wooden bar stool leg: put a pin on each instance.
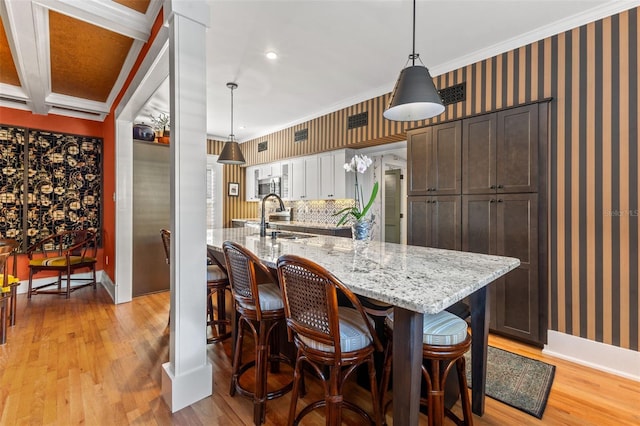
(12, 308)
(436, 394)
(374, 394)
(30, 283)
(222, 314)
(297, 376)
(237, 357)
(260, 395)
(464, 395)
(3, 320)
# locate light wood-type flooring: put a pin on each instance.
(87, 361)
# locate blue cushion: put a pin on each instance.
(439, 329)
(270, 297)
(354, 333)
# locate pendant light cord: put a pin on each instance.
(231, 135)
(413, 52)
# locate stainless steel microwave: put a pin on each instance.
(268, 186)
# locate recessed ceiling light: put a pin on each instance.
(271, 55)
(241, 128)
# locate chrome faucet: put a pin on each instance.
(263, 223)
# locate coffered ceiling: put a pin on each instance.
(71, 57)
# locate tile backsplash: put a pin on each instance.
(316, 211)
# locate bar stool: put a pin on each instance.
(8, 284)
(261, 310)
(445, 341)
(217, 286)
(333, 341)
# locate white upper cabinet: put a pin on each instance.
(314, 177)
(335, 182)
(251, 183)
(269, 170)
(304, 178)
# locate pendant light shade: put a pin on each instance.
(414, 96)
(231, 153)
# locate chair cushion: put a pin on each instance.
(354, 333)
(60, 261)
(439, 329)
(215, 273)
(10, 280)
(270, 297)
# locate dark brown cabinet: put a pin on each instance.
(506, 225)
(436, 150)
(435, 221)
(496, 162)
(500, 152)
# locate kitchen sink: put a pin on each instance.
(289, 235)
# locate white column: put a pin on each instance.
(187, 377)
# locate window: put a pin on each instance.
(214, 192)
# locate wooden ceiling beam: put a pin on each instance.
(108, 15)
(27, 27)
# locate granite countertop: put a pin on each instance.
(420, 279)
(256, 221)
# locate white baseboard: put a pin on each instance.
(609, 358)
(104, 279)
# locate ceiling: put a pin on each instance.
(71, 57)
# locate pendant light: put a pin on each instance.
(414, 97)
(231, 153)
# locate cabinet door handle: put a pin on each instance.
(499, 200)
(492, 200)
(492, 187)
(500, 186)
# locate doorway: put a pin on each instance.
(392, 205)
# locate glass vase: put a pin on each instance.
(362, 230)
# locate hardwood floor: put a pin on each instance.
(87, 361)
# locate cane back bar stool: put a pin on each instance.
(8, 283)
(217, 283)
(217, 286)
(445, 340)
(332, 340)
(260, 309)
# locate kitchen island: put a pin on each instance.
(415, 280)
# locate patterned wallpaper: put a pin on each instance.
(63, 184)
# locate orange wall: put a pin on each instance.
(109, 160)
(54, 123)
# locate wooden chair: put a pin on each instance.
(8, 284)
(65, 253)
(332, 340)
(165, 234)
(217, 286)
(261, 310)
(445, 341)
